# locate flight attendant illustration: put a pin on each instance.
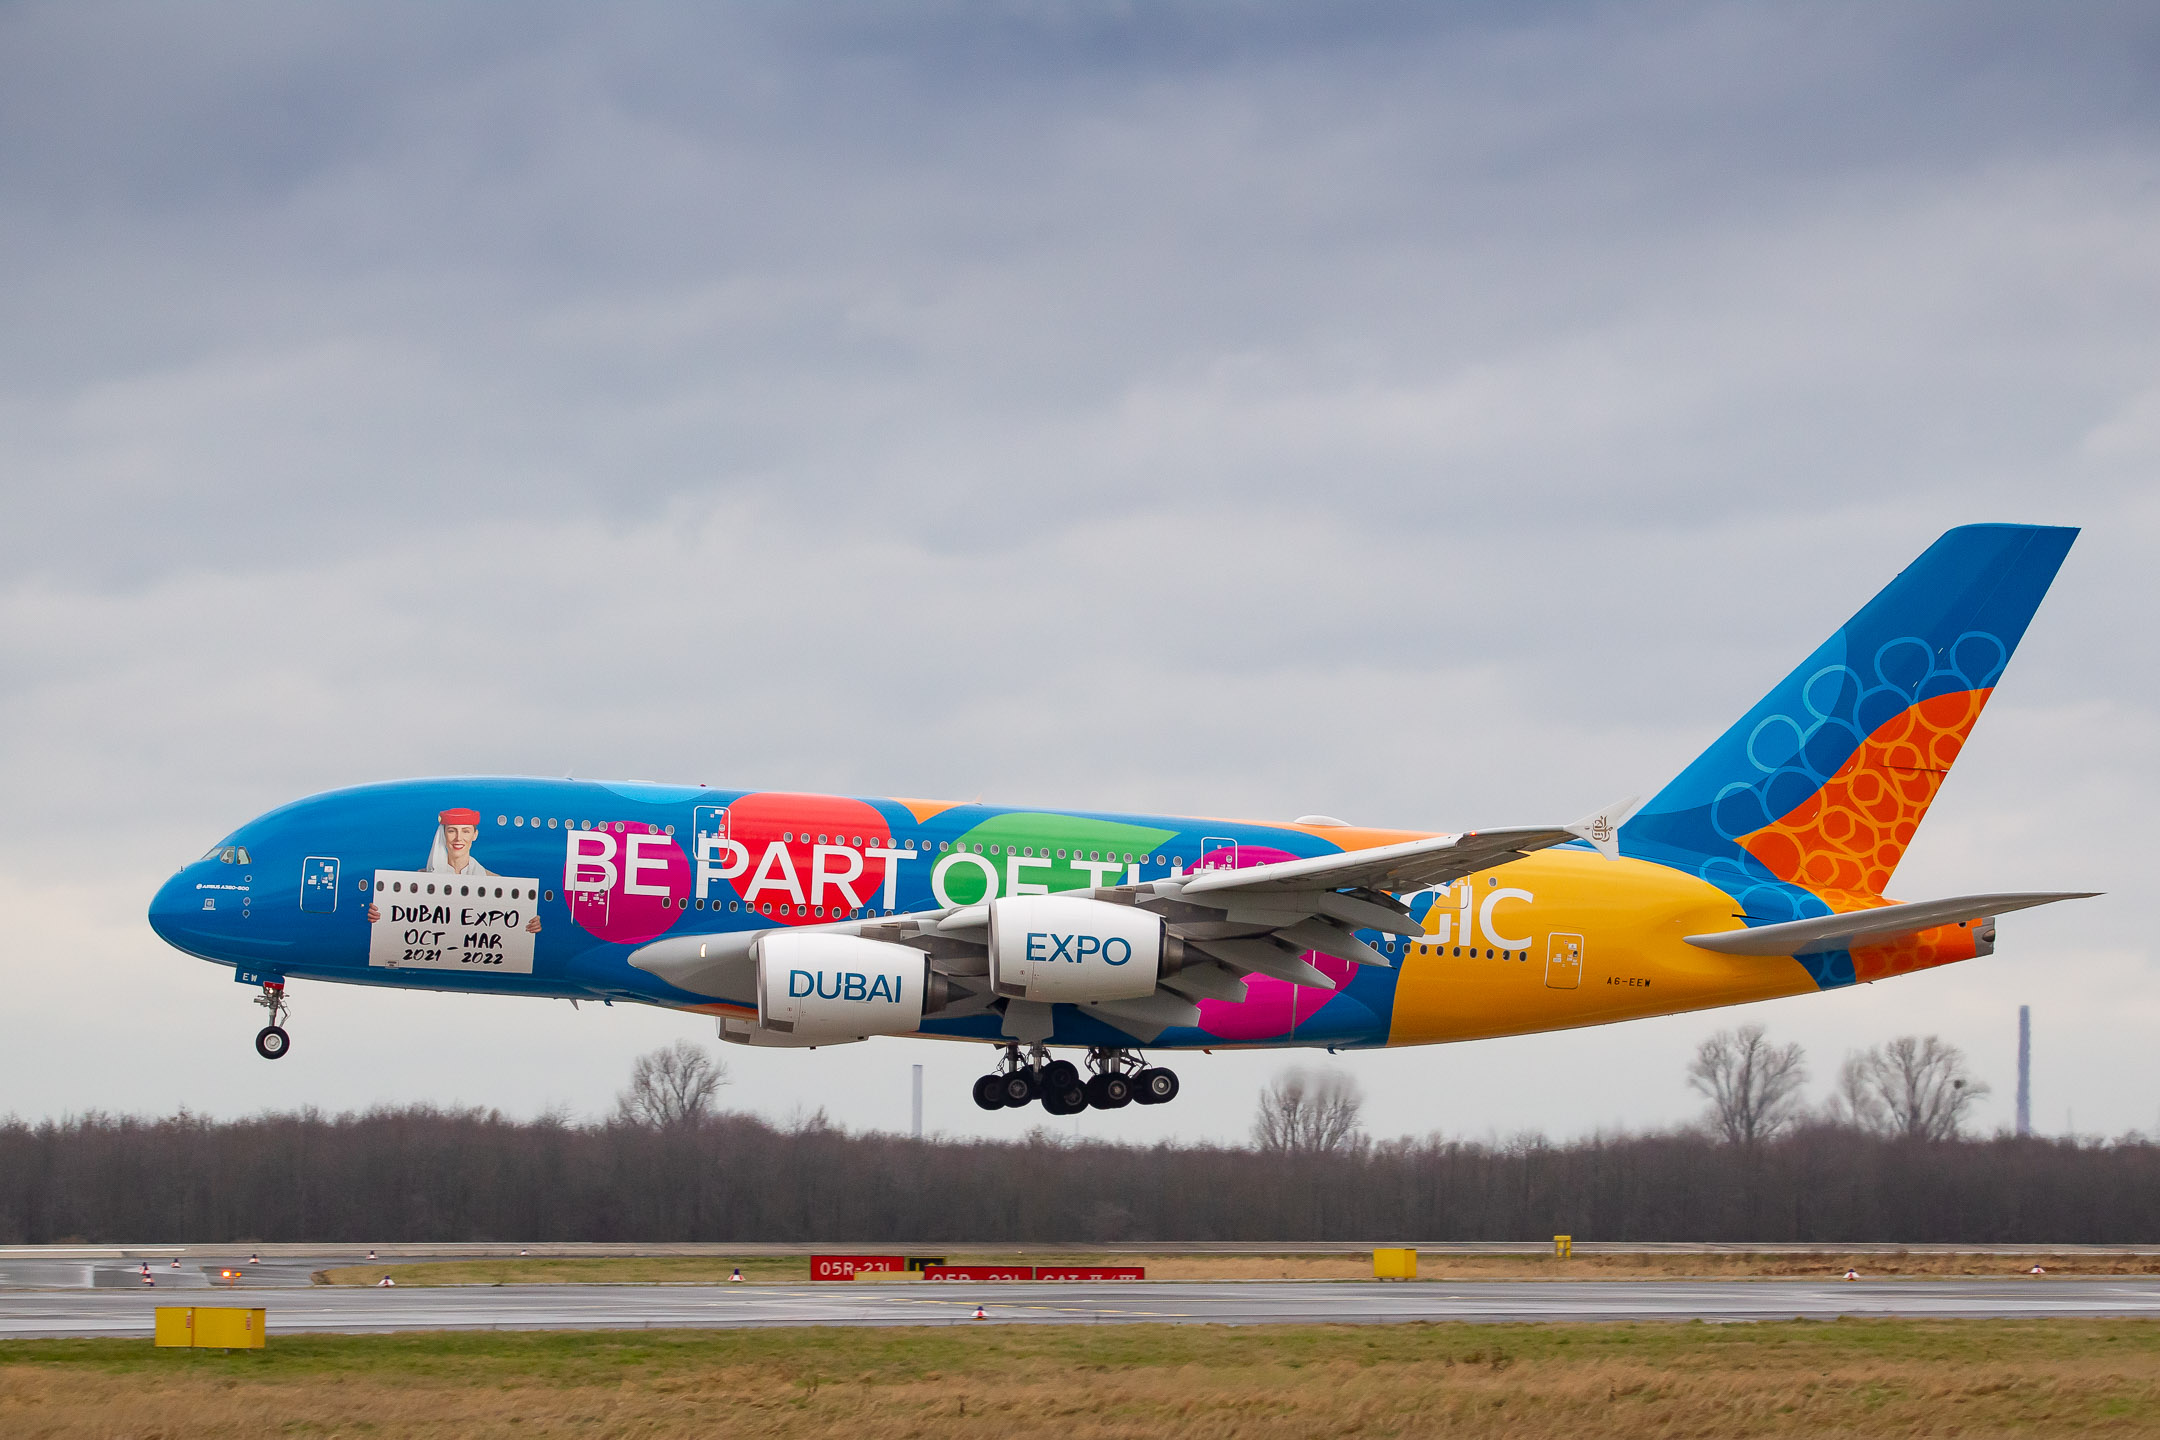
(452, 849)
(451, 853)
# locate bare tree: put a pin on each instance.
(1310, 1113)
(1753, 1086)
(1914, 1087)
(672, 1087)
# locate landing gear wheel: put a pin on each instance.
(1109, 1091)
(1069, 1101)
(1015, 1087)
(1155, 1086)
(1060, 1075)
(271, 1042)
(990, 1092)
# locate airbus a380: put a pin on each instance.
(806, 920)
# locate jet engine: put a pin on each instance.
(822, 988)
(1051, 948)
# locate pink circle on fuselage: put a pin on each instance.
(625, 911)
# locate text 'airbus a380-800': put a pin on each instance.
(807, 920)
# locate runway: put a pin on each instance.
(634, 1307)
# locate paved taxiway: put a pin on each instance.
(614, 1307)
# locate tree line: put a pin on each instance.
(668, 1166)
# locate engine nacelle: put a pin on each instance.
(828, 988)
(1048, 947)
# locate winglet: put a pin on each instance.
(1602, 829)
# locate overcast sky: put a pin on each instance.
(1433, 416)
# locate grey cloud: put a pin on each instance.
(1444, 415)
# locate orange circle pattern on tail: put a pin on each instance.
(1850, 834)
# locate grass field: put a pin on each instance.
(702, 1270)
(1873, 1378)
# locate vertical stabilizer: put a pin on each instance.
(1817, 791)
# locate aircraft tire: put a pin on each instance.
(1060, 1075)
(1109, 1092)
(989, 1092)
(271, 1042)
(1016, 1087)
(1069, 1101)
(1155, 1086)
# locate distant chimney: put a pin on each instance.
(2024, 1103)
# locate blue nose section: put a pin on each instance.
(166, 905)
(178, 916)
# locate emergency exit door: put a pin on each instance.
(1563, 961)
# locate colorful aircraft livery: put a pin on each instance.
(806, 920)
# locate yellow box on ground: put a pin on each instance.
(1394, 1264)
(210, 1327)
(1563, 1247)
(175, 1325)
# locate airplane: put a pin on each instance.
(811, 919)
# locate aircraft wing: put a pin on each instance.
(1413, 864)
(1228, 925)
(1841, 932)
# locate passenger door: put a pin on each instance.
(319, 884)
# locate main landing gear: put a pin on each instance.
(1119, 1078)
(271, 1042)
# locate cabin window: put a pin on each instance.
(502, 819)
(547, 895)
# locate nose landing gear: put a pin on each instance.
(271, 1042)
(1120, 1077)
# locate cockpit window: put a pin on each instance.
(229, 853)
(240, 852)
(213, 852)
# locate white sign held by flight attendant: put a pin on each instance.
(425, 920)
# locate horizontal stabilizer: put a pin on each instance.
(1840, 932)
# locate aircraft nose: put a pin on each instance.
(172, 910)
